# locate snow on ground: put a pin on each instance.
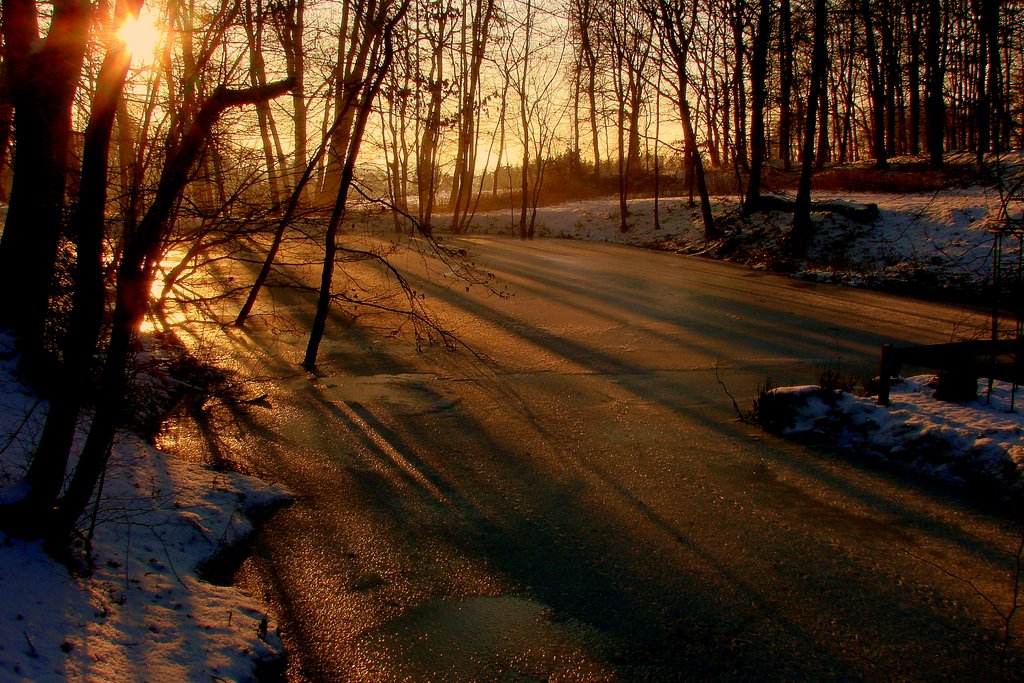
(143, 613)
(920, 241)
(978, 445)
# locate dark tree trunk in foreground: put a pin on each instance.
(324, 300)
(803, 228)
(49, 464)
(43, 81)
(134, 279)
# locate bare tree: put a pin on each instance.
(134, 282)
(876, 86)
(474, 32)
(935, 77)
(373, 26)
(759, 96)
(521, 85)
(785, 82)
(584, 18)
(254, 22)
(627, 28)
(290, 23)
(437, 23)
(675, 30)
(46, 474)
(802, 226)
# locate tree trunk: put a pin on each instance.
(427, 162)
(43, 83)
(876, 86)
(913, 14)
(676, 33)
(657, 157)
(738, 20)
(935, 78)
(590, 62)
(502, 112)
(524, 176)
(291, 207)
(291, 27)
(134, 279)
(6, 127)
(338, 213)
(990, 100)
(622, 166)
(636, 99)
(594, 135)
(758, 78)
(803, 228)
(127, 154)
(46, 475)
(785, 84)
(524, 120)
(257, 78)
(823, 153)
(462, 179)
(891, 71)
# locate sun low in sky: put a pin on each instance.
(140, 35)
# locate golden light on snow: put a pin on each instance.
(141, 35)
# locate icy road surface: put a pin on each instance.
(583, 505)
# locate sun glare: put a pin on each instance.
(140, 36)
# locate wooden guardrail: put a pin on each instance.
(999, 359)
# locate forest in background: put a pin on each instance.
(139, 143)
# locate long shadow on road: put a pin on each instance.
(663, 541)
(803, 338)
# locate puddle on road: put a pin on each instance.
(481, 639)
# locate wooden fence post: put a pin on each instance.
(884, 374)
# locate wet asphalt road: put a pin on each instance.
(581, 504)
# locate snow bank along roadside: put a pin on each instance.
(978, 445)
(144, 613)
(928, 243)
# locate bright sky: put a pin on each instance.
(141, 35)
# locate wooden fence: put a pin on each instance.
(1000, 359)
